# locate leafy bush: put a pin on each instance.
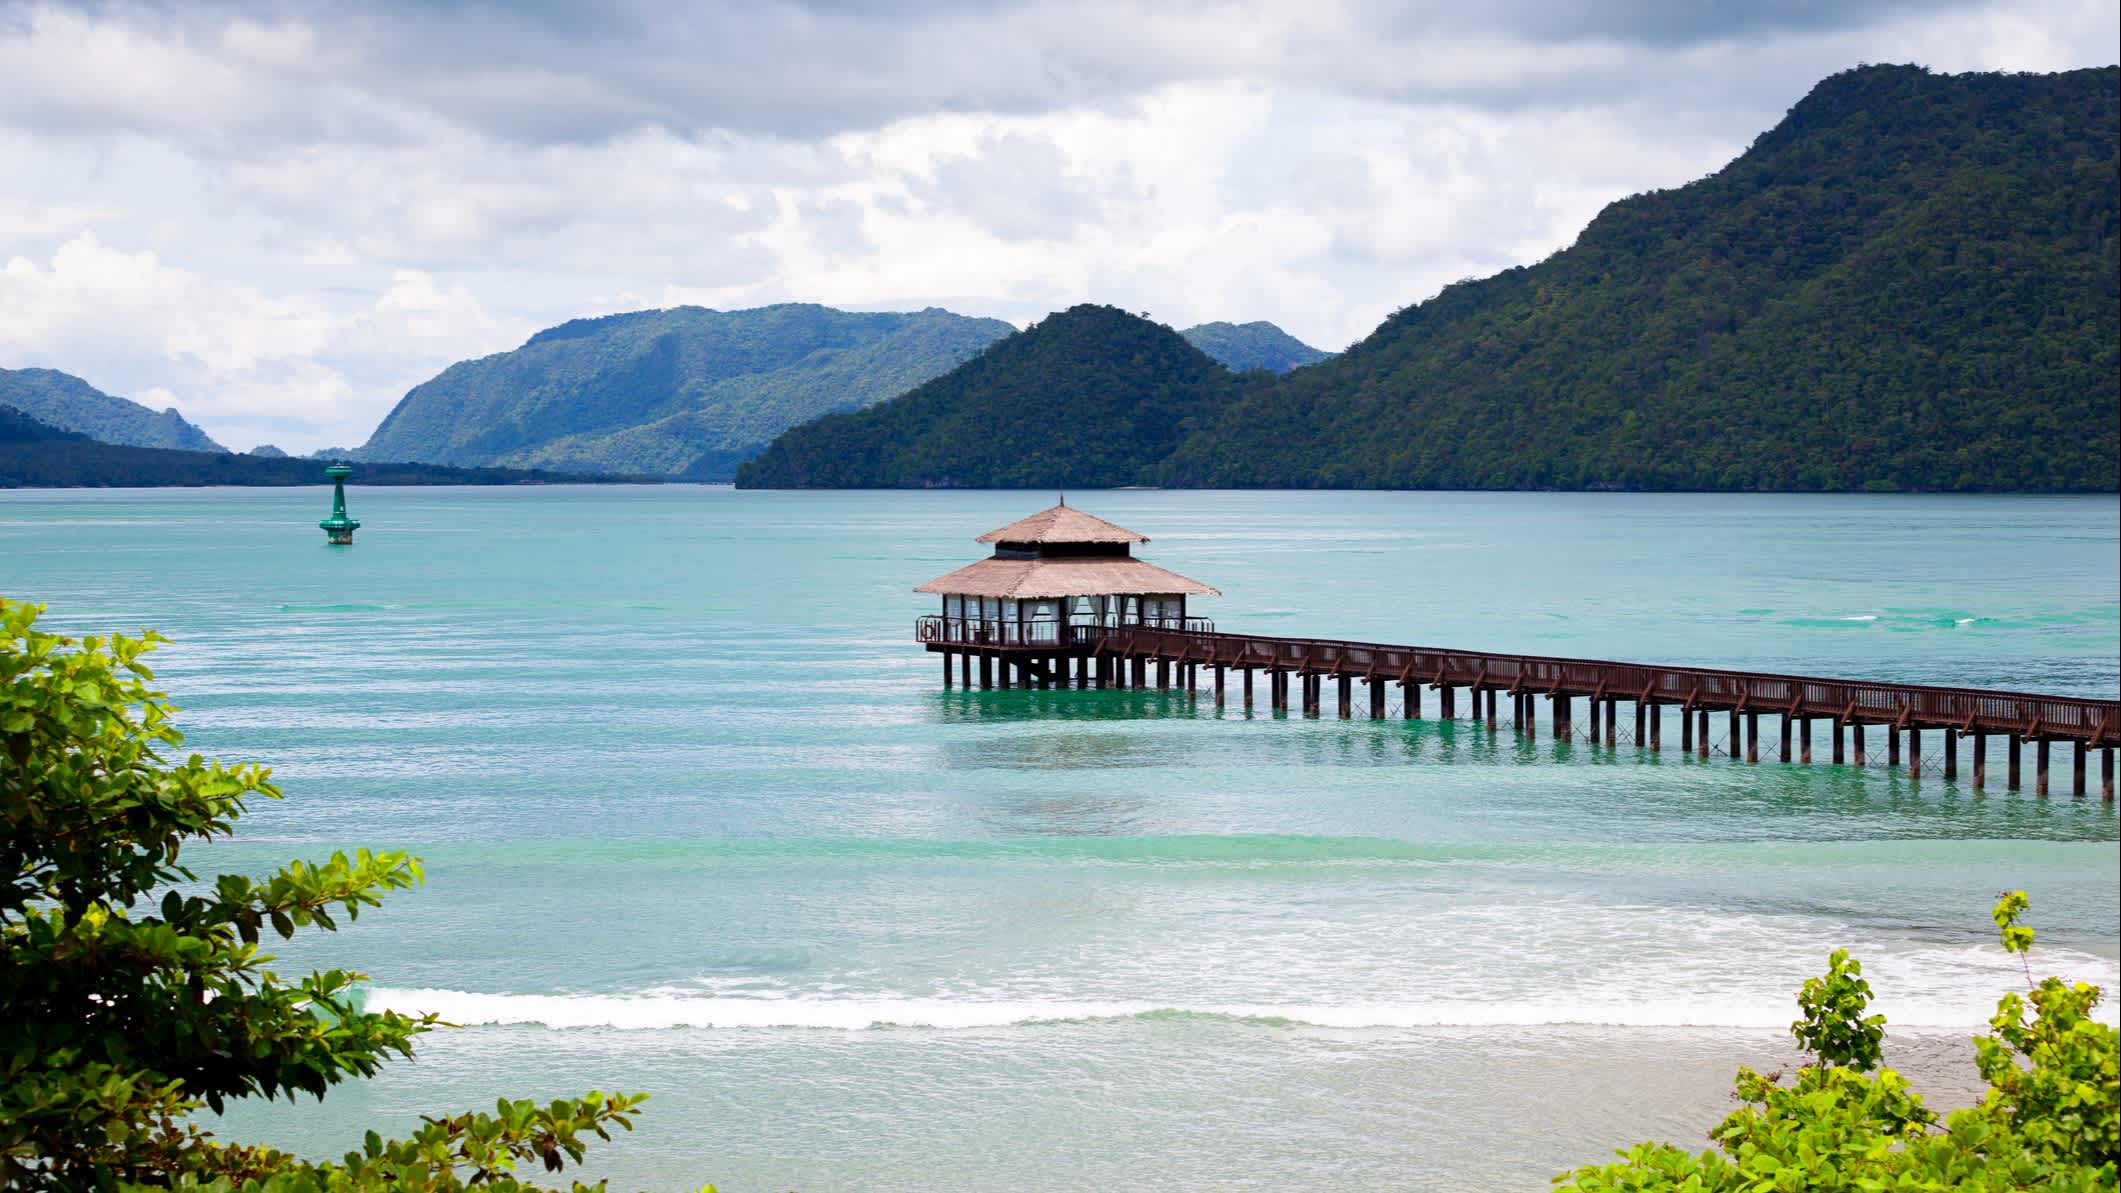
(132, 994)
(2051, 1118)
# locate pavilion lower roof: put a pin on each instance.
(1042, 579)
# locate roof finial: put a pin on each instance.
(1064, 496)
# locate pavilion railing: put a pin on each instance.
(936, 629)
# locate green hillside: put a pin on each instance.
(683, 391)
(65, 401)
(1911, 283)
(1259, 345)
(1092, 396)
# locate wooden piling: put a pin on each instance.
(1656, 715)
(1951, 753)
(1448, 702)
(1686, 729)
(1377, 699)
(2076, 768)
(1612, 719)
(1701, 734)
(1531, 717)
(1737, 736)
(1892, 745)
(1491, 711)
(1218, 685)
(1804, 740)
(1914, 753)
(2106, 774)
(1347, 696)
(1597, 727)
(2016, 749)
(1640, 713)
(1840, 753)
(1247, 672)
(1410, 699)
(1564, 716)
(1980, 761)
(1857, 743)
(1313, 686)
(1752, 737)
(2040, 767)
(1784, 753)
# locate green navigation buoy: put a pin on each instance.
(338, 529)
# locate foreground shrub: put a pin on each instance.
(2050, 1119)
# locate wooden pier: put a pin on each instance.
(1184, 653)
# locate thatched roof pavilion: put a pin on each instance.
(1059, 567)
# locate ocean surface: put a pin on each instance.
(699, 819)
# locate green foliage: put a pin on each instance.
(684, 391)
(132, 993)
(1092, 397)
(2051, 1118)
(1259, 345)
(67, 402)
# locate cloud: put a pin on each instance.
(285, 215)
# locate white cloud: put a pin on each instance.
(284, 222)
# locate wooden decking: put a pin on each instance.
(1122, 656)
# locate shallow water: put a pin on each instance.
(698, 819)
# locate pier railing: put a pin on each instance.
(1000, 633)
(1906, 706)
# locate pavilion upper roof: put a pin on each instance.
(1062, 524)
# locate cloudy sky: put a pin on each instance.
(278, 217)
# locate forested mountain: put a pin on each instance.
(686, 391)
(1912, 282)
(17, 427)
(67, 402)
(1259, 345)
(1092, 396)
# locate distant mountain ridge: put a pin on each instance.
(69, 403)
(1257, 345)
(1912, 282)
(683, 392)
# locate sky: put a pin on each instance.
(278, 217)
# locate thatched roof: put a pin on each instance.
(1062, 524)
(1043, 579)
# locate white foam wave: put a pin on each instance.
(657, 1011)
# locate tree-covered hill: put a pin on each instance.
(65, 401)
(682, 391)
(1258, 345)
(1092, 396)
(1909, 283)
(37, 455)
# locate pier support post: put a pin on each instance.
(1449, 702)
(1564, 716)
(2011, 778)
(2040, 767)
(1804, 740)
(1892, 744)
(1914, 753)
(1218, 685)
(1857, 744)
(2076, 768)
(1314, 685)
(949, 676)
(1491, 711)
(964, 669)
(1951, 753)
(1656, 714)
(1737, 736)
(1612, 719)
(1784, 752)
(1531, 716)
(1247, 673)
(1410, 699)
(1192, 679)
(1597, 728)
(1980, 761)
(1639, 715)
(1840, 752)
(1377, 699)
(1701, 734)
(1686, 730)
(1163, 675)
(986, 671)
(2106, 774)
(1347, 696)
(1752, 737)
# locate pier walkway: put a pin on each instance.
(1182, 654)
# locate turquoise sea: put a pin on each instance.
(699, 819)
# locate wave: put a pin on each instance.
(661, 1011)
